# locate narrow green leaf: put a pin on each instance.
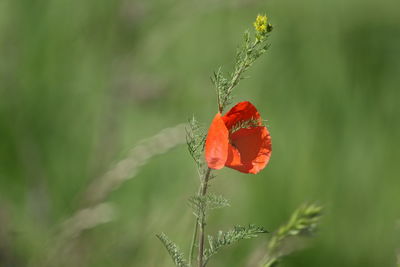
(173, 250)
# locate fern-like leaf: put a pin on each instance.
(200, 204)
(232, 236)
(195, 139)
(247, 124)
(173, 250)
(216, 202)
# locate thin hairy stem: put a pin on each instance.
(195, 228)
(202, 219)
(236, 76)
(194, 238)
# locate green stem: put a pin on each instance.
(194, 237)
(202, 219)
(195, 229)
(237, 75)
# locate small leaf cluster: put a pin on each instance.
(247, 124)
(173, 250)
(195, 139)
(304, 221)
(232, 236)
(200, 204)
(251, 49)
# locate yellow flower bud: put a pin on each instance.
(261, 24)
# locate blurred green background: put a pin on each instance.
(81, 82)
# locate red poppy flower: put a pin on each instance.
(233, 143)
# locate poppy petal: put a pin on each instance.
(242, 111)
(217, 143)
(250, 150)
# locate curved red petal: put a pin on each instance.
(250, 150)
(217, 143)
(242, 111)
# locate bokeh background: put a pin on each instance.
(82, 82)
